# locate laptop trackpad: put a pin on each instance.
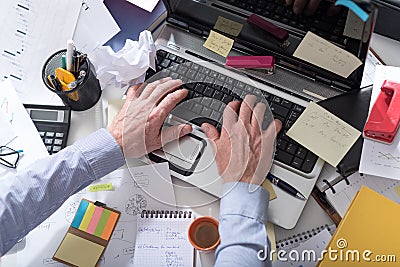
(183, 153)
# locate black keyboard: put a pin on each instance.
(328, 27)
(206, 101)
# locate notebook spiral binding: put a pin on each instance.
(301, 237)
(330, 186)
(165, 214)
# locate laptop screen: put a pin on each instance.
(335, 24)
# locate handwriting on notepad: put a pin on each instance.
(218, 43)
(228, 26)
(323, 133)
(324, 54)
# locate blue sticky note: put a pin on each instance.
(80, 213)
(353, 7)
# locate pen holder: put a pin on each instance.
(87, 91)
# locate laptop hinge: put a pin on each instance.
(178, 23)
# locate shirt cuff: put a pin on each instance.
(244, 199)
(102, 152)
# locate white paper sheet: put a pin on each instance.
(147, 5)
(7, 133)
(32, 30)
(128, 197)
(369, 69)
(28, 138)
(95, 26)
(127, 66)
(377, 158)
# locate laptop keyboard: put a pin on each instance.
(209, 98)
(328, 27)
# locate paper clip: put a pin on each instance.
(383, 121)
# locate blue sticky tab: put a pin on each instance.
(80, 213)
(353, 7)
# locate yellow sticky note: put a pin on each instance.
(323, 133)
(219, 43)
(101, 187)
(78, 251)
(228, 26)
(324, 54)
(267, 185)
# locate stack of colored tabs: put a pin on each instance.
(88, 235)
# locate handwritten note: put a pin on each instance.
(228, 26)
(101, 187)
(323, 133)
(324, 54)
(356, 28)
(219, 43)
(163, 242)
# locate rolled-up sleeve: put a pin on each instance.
(34, 193)
(243, 212)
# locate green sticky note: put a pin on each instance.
(101, 187)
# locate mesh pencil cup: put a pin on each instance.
(87, 90)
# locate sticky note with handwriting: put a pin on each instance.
(323, 133)
(101, 187)
(219, 43)
(228, 26)
(324, 54)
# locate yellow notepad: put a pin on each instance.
(370, 231)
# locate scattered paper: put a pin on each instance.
(324, 54)
(7, 133)
(369, 69)
(95, 26)
(127, 66)
(228, 26)
(129, 197)
(377, 158)
(31, 32)
(28, 138)
(268, 186)
(147, 5)
(323, 133)
(219, 43)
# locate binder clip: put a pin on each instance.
(265, 64)
(383, 121)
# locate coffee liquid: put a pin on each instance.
(206, 235)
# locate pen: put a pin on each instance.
(69, 55)
(285, 187)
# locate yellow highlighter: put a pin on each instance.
(66, 78)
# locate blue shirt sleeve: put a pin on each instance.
(33, 194)
(242, 229)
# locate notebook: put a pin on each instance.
(297, 79)
(345, 193)
(88, 235)
(162, 239)
(369, 229)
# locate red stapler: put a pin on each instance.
(383, 121)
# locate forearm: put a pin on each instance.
(28, 198)
(242, 229)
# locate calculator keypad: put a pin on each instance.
(53, 141)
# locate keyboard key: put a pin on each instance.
(217, 116)
(294, 116)
(165, 63)
(206, 112)
(301, 152)
(58, 142)
(59, 135)
(215, 104)
(296, 163)
(48, 148)
(218, 95)
(298, 108)
(199, 87)
(281, 144)
(48, 141)
(288, 124)
(197, 108)
(283, 156)
(279, 110)
(286, 103)
(291, 148)
(172, 57)
(309, 162)
(42, 134)
(50, 134)
(56, 148)
(227, 98)
(209, 91)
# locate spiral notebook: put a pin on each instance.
(162, 239)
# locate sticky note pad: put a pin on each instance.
(323, 133)
(324, 54)
(228, 26)
(80, 213)
(219, 43)
(78, 251)
(112, 220)
(102, 223)
(87, 217)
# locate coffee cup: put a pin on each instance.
(203, 233)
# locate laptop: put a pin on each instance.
(296, 82)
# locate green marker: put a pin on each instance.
(64, 62)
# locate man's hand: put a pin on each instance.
(243, 151)
(137, 127)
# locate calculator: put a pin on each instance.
(52, 123)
